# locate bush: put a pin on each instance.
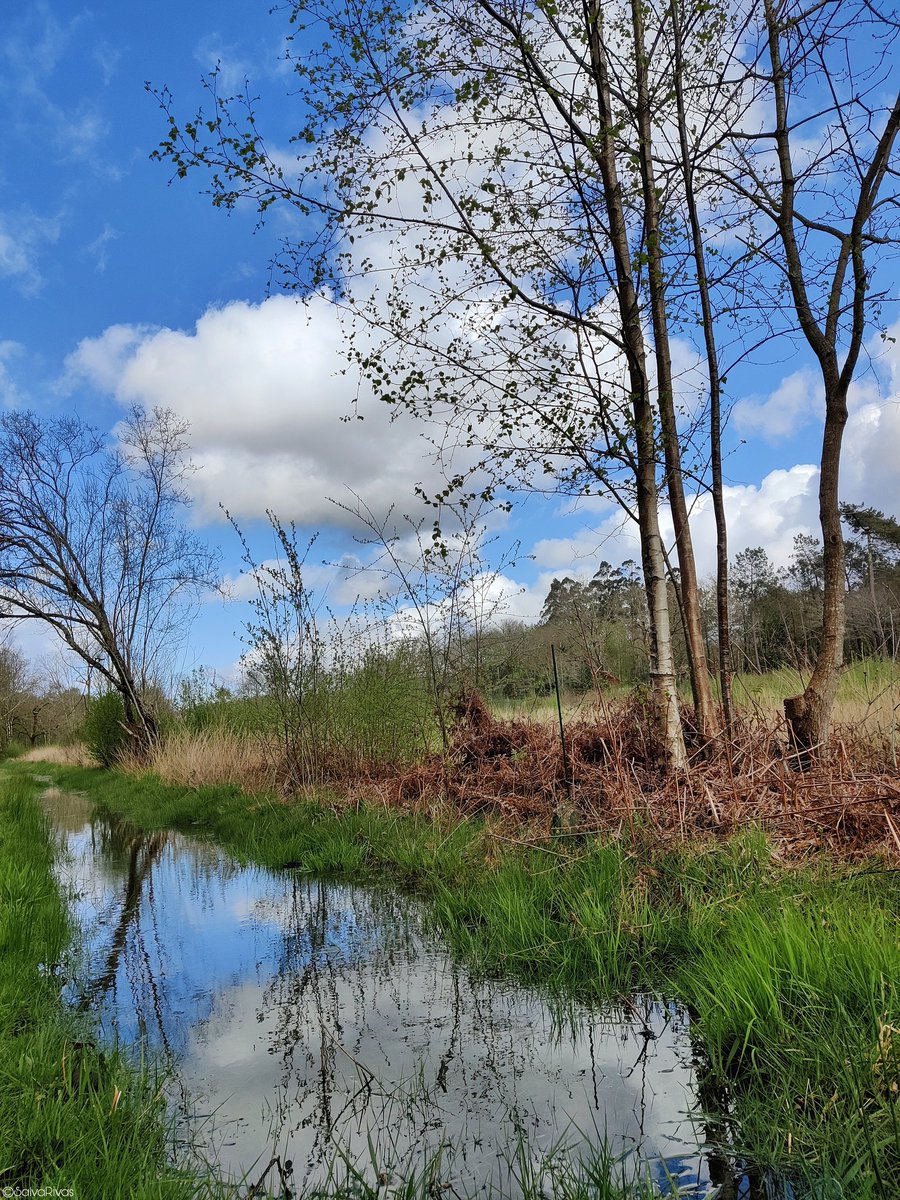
(104, 728)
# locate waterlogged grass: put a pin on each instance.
(72, 1116)
(790, 975)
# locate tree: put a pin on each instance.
(518, 201)
(17, 685)
(754, 579)
(593, 623)
(518, 307)
(91, 543)
(882, 539)
(818, 176)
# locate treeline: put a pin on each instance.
(35, 710)
(599, 627)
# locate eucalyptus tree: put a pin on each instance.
(92, 544)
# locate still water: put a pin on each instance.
(328, 1025)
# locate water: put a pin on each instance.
(326, 1024)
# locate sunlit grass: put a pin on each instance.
(868, 698)
(791, 974)
(72, 1115)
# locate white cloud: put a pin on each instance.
(796, 401)
(769, 514)
(98, 249)
(23, 238)
(870, 472)
(278, 420)
(870, 467)
(214, 54)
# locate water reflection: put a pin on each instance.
(307, 1018)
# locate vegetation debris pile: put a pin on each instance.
(514, 769)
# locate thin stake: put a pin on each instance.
(562, 735)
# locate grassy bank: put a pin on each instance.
(790, 974)
(72, 1116)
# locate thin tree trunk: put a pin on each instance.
(809, 715)
(662, 660)
(723, 620)
(690, 591)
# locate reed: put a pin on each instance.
(74, 755)
(214, 756)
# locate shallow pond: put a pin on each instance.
(328, 1025)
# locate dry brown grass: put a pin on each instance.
(76, 755)
(213, 757)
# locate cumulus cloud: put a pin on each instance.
(278, 420)
(769, 514)
(870, 465)
(871, 461)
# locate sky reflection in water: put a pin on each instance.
(304, 1014)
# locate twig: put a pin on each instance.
(360, 1066)
(892, 828)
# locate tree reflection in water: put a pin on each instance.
(317, 1020)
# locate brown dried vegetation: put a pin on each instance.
(848, 806)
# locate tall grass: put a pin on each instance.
(74, 755)
(366, 714)
(867, 705)
(214, 756)
(71, 1115)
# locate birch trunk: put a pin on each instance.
(662, 659)
(690, 592)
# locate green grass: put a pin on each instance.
(72, 1115)
(864, 685)
(790, 975)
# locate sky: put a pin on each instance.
(119, 286)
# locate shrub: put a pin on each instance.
(104, 728)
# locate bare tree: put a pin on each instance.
(17, 688)
(436, 590)
(91, 543)
(818, 174)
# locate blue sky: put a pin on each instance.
(118, 287)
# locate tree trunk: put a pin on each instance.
(723, 619)
(139, 719)
(662, 660)
(690, 592)
(808, 716)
